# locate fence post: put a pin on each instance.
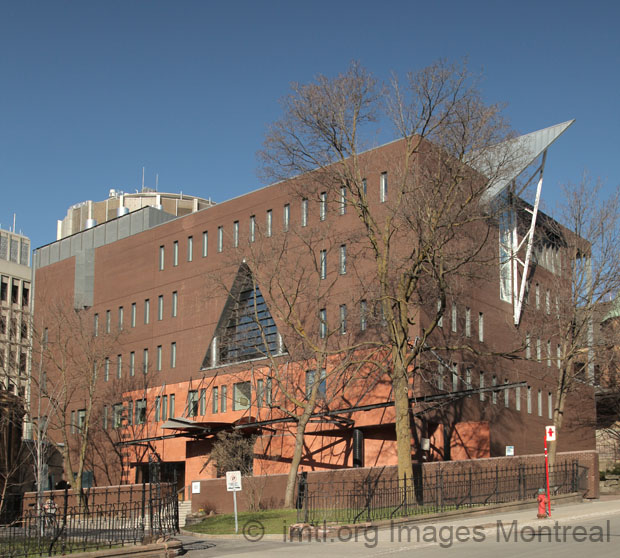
(143, 504)
(470, 487)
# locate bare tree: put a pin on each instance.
(429, 228)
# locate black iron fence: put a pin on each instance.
(374, 497)
(64, 522)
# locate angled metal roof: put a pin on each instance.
(514, 155)
(614, 311)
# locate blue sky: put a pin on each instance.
(90, 92)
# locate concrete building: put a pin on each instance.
(187, 327)
(87, 214)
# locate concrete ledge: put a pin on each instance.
(167, 549)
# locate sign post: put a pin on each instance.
(549, 437)
(233, 484)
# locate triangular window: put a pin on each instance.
(246, 329)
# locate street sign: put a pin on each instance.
(233, 481)
(196, 487)
(510, 450)
(550, 433)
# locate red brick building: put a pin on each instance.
(188, 326)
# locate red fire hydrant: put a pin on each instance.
(542, 504)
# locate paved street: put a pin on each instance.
(590, 527)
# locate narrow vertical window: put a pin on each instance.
(171, 408)
(164, 407)
(454, 317)
(343, 200)
(528, 346)
(518, 398)
(190, 248)
(323, 206)
(539, 403)
(529, 399)
(160, 308)
(468, 379)
(440, 320)
(162, 257)
(145, 361)
(147, 311)
(548, 302)
(506, 395)
(481, 386)
(304, 212)
(440, 372)
(537, 296)
(343, 259)
(158, 358)
(203, 401)
(494, 394)
(467, 322)
(133, 314)
(252, 228)
(323, 264)
(363, 315)
(106, 369)
(205, 244)
(260, 393)
(558, 354)
(223, 398)
(96, 325)
(214, 398)
(384, 187)
(322, 323)
(108, 321)
(236, 234)
(132, 363)
(105, 417)
(175, 302)
(220, 239)
(157, 409)
(506, 226)
(364, 187)
(119, 366)
(480, 327)
(538, 350)
(175, 253)
(550, 406)
(343, 319)
(173, 355)
(549, 353)
(455, 377)
(286, 217)
(268, 222)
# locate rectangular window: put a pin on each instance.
(529, 399)
(171, 408)
(455, 377)
(162, 257)
(480, 327)
(468, 379)
(518, 398)
(323, 264)
(454, 316)
(506, 396)
(105, 417)
(304, 212)
(203, 402)
(119, 366)
(528, 346)
(173, 355)
(72, 422)
(158, 358)
(147, 311)
(323, 206)
(364, 187)
(538, 350)
(467, 322)
(220, 239)
(121, 316)
(106, 370)
(175, 253)
(537, 296)
(506, 225)
(558, 354)
(311, 377)
(548, 302)
(132, 363)
(108, 321)
(157, 409)
(384, 187)
(205, 244)
(160, 308)
(343, 200)
(192, 402)
(133, 314)
(343, 259)
(252, 228)
(482, 386)
(214, 398)
(539, 403)
(96, 325)
(117, 415)
(322, 323)
(286, 217)
(242, 393)
(550, 406)
(363, 314)
(140, 411)
(494, 394)
(440, 320)
(175, 302)
(343, 319)
(164, 407)
(260, 393)
(236, 234)
(549, 353)
(269, 222)
(223, 399)
(190, 248)
(145, 361)
(440, 373)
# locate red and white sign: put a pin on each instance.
(233, 481)
(550, 433)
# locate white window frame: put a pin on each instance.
(383, 187)
(323, 206)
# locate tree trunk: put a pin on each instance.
(558, 417)
(402, 423)
(289, 495)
